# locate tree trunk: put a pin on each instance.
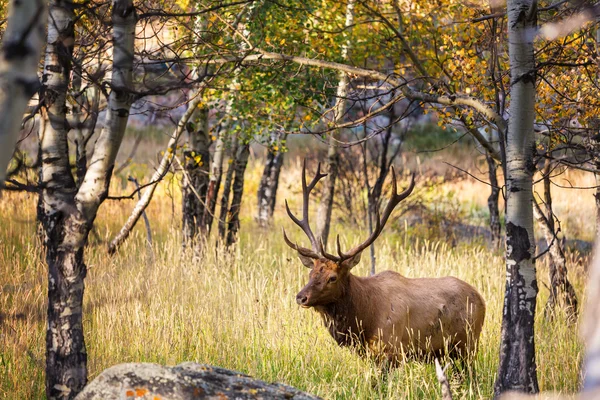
(214, 184)
(326, 205)
(590, 330)
(233, 225)
(371, 215)
(67, 214)
(66, 357)
(517, 366)
(63, 225)
(559, 282)
(56, 78)
(227, 189)
(94, 188)
(267, 189)
(597, 196)
(80, 142)
(495, 226)
(274, 180)
(195, 183)
(22, 45)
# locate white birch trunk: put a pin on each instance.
(64, 230)
(591, 327)
(56, 172)
(94, 188)
(19, 56)
(214, 182)
(517, 369)
(67, 215)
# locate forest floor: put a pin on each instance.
(236, 309)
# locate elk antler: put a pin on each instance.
(306, 189)
(379, 223)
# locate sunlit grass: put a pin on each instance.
(237, 309)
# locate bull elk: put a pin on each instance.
(388, 314)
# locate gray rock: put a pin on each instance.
(182, 382)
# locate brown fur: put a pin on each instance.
(393, 316)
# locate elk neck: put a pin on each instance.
(349, 318)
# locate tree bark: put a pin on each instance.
(64, 228)
(56, 79)
(590, 329)
(492, 201)
(22, 45)
(326, 205)
(517, 366)
(195, 183)
(66, 213)
(593, 145)
(80, 142)
(227, 189)
(267, 189)
(559, 282)
(271, 192)
(66, 357)
(597, 195)
(233, 225)
(214, 183)
(94, 188)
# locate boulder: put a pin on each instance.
(182, 382)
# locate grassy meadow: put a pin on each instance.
(237, 309)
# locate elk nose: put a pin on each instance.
(301, 299)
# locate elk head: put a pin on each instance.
(329, 275)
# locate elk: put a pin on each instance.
(389, 315)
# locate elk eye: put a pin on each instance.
(332, 279)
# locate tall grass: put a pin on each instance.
(236, 309)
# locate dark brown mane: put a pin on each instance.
(341, 320)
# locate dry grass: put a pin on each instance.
(237, 309)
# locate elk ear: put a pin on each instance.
(307, 261)
(351, 262)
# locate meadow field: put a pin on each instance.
(236, 308)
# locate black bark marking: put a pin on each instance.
(517, 239)
(529, 163)
(123, 10)
(54, 68)
(122, 112)
(50, 160)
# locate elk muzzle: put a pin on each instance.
(303, 298)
